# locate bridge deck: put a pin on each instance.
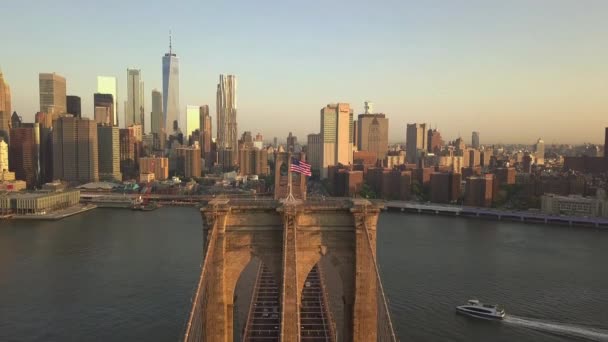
(264, 321)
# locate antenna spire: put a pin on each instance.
(170, 45)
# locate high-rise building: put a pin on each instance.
(108, 146)
(192, 161)
(206, 133)
(314, 150)
(157, 121)
(5, 107)
(253, 161)
(606, 143)
(475, 140)
(3, 155)
(159, 166)
(108, 85)
(134, 111)
(193, 119)
(539, 152)
(103, 108)
(75, 157)
(15, 120)
(292, 141)
(337, 135)
(52, 94)
(170, 89)
(372, 132)
(479, 191)
(227, 138)
(73, 105)
(45, 122)
(415, 142)
(434, 141)
(129, 153)
(24, 153)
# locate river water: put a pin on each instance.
(118, 275)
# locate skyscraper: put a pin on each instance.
(206, 133)
(5, 107)
(226, 116)
(24, 153)
(606, 143)
(103, 109)
(75, 154)
(3, 155)
(108, 85)
(73, 105)
(193, 119)
(434, 141)
(170, 89)
(157, 120)
(108, 148)
(539, 152)
(372, 132)
(415, 141)
(52, 94)
(475, 140)
(134, 111)
(337, 135)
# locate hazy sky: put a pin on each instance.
(514, 70)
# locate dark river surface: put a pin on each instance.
(119, 275)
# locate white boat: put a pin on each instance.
(475, 308)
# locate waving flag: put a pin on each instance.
(300, 166)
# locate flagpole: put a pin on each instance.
(290, 197)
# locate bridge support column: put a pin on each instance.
(290, 308)
(365, 309)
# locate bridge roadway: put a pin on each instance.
(263, 321)
(522, 216)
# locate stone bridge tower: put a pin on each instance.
(290, 239)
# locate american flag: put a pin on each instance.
(300, 166)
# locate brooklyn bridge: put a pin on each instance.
(315, 270)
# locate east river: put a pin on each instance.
(119, 275)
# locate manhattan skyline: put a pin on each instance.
(514, 72)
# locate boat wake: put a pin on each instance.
(568, 330)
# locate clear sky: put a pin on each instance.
(514, 70)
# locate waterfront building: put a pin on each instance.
(170, 90)
(134, 111)
(505, 175)
(416, 135)
(372, 132)
(75, 153)
(3, 155)
(445, 187)
(24, 153)
(337, 135)
(159, 166)
(109, 152)
(475, 140)
(226, 119)
(73, 105)
(103, 108)
(53, 96)
(574, 205)
(108, 85)
(479, 191)
(36, 203)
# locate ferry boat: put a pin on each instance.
(475, 308)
